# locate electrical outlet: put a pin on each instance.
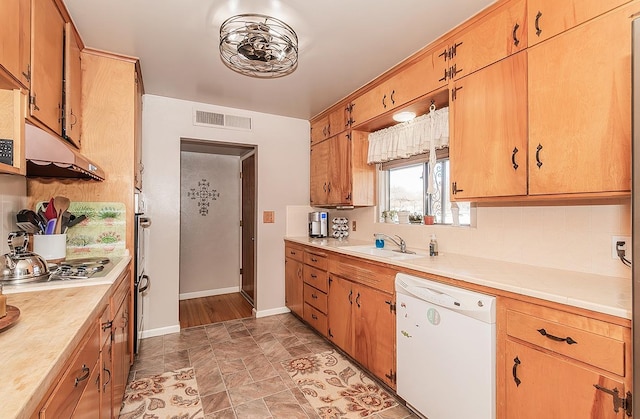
(626, 247)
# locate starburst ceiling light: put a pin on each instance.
(258, 46)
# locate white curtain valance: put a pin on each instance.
(418, 136)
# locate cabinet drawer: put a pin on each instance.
(316, 319)
(294, 252)
(580, 343)
(316, 260)
(315, 298)
(364, 272)
(316, 277)
(62, 402)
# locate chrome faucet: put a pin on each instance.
(402, 245)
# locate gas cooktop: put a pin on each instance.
(79, 269)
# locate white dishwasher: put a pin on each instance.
(446, 349)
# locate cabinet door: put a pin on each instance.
(420, 78)
(579, 108)
(137, 150)
(89, 404)
(319, 173)
(369, 105)
(320, 130)
(121, 355)
(554, 388)
(339, 302)
(495, 37)
(15, 38)
(374, 332)
(72, 87)
(293, 285)
(339, 160)
(488, 146)
(47, 61)
(548, 18)
(12, 109)
(338, 120)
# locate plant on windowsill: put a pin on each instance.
(389, 216)
(429, 219)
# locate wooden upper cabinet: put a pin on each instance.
(417, 79)
(339, 185)
(488, 145)
(15, 39)
(72, 87)
(580, 108)
(496, 36)
(319, 173)
(46, 63)
(12, 108)
(331, 124)
(137, 150)
(548, 18)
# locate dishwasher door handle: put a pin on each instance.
(434, 296)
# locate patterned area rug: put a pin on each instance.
(170, 395)
(336, 388)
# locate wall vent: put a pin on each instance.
(219, 120)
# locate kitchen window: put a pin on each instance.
(404, 188)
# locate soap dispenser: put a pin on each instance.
(433, 246)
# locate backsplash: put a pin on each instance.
(13, 197)
(102, 233)
(572, 237)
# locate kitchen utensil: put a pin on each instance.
(61, 204)
(66, 217)
(20, 265)
(50, 212)
(28, 227)
(51, 226)
(30, 217)
(76, 220)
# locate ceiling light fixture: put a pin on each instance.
(404, 116)
(258, 46)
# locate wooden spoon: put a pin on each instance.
(61, 204)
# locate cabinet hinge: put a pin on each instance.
(329, 333)
(32, 102)
(240, 271)
(625, 403)
(454, 93)
(392, 306)
(240, 223)
(348, 197)
(391, 376)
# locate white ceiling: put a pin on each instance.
(343, 45)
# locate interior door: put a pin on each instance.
(248, 227)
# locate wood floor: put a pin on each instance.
(214, 309)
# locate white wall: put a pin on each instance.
(282, 178)
(209, 228)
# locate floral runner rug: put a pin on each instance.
(336, 388)
(172, 395)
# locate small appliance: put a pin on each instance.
(318, 224)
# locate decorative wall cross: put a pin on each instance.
(203, 194)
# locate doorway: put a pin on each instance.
(217, 229)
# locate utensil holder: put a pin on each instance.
(52, 247)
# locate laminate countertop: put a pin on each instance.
(599, 293)
(34, 350)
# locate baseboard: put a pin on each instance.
(271, 312)
(208, 293)
(160, 331)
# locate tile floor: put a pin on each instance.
(238, 367)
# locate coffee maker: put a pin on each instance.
(318, 224)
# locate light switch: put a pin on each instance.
(268, 217)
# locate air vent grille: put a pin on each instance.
(219, 120)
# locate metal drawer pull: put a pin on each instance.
(514, 371)
(314, 317)
(315, 297)
(107, 325)
(314, 260)
(537, 23)
(516, 41)
(513, 158)
(314, 276)
(538, 149)
(86, 372)
(557, 339)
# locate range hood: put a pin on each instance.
(51, 156)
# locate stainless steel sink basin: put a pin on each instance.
(382, 253)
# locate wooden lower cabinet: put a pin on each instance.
(92, 384)
(293, 285)
(551, 387)
(361, 322)
(560, 365)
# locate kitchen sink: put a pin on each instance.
(382, 253)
